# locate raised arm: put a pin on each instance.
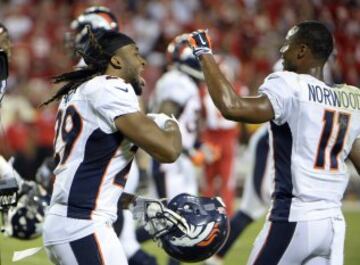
(164, 144)
(354, 155)
(233, 107)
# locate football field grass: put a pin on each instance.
(237, 256)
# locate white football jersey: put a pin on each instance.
(181, 89)
(313, 131)
(93, 157)
(214, 119)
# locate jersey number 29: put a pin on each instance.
(68, 128)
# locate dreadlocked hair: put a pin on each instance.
(95, 66)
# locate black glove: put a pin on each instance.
(200, 42)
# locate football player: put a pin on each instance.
(176, 93)
(25, 219)
(256, 194)
(5, 53)
(314, 127)
(101, 18)
(258, 183)
(222, 135)
(97, 18)
(99, 128)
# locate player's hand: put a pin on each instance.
(207, 153)
(212, 152)
(139, 206)
(160, 219)
(161, 119)
(156, 218)
(200, 42)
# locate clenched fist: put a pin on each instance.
(200, 42)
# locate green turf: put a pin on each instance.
(237, 256)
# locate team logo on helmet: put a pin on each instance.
(207, 228)
(200, 236)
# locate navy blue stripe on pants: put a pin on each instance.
(86, 251)
(276, 243)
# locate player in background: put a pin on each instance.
(256, 194)
(314, 128)
(222, 135)
(25, 219)
(177, 93)
(5, 42)
(5, 54)
(259, 185)
(97, 18)
(5, 46)
(99, 128)
(101, 18)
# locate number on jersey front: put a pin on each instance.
(68, 129)
(333, 122)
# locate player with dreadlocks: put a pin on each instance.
(99, 128)
(102, 18)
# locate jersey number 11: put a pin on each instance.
(342, 124)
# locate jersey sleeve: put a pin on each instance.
(115, 98)
(175, 88)
(176, 94)
(281, 96)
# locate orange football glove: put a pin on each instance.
(208, 153)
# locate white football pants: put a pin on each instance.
(101, 247)
(318, 242)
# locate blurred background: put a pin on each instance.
(248, 32)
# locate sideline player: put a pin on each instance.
(97, 18)
(222, 135)
(314, 128)
(256, 194)
(176, 93)
(99, 127)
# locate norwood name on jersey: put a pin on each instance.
(342, 96)
(308, 163)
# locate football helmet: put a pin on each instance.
(97, 17)
(25, 220)
(180, 54)
(208, 228)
